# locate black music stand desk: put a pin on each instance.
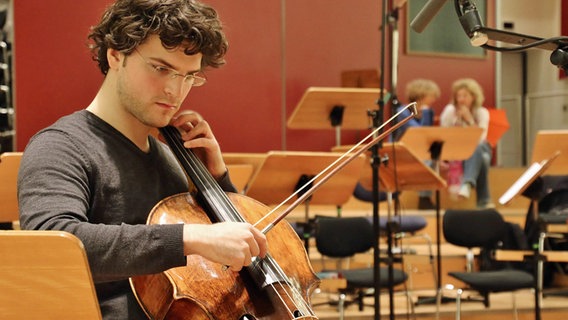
(456, 143)
(534, 171)
(403, 170)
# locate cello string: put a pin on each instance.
(333, 164)
(204, 179)
(304, 307)
(210, 185)
(293, 288)
(257, 268)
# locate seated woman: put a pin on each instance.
(424, 92)
(466, 110)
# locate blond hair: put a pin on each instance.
(473, 87)
(419, 88)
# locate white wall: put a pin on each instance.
(547, 97)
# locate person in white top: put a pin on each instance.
(466, 110)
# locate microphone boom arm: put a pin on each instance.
(479, 35)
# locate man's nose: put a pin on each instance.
(175, 86)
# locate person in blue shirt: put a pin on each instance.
(424, 92)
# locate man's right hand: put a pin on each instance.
(232, 244)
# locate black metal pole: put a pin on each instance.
(392, 225)
(377, 120)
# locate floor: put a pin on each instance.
(553, 307)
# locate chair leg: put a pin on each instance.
(431, 258)
(361, 298)
(409, 302)
(438, 302)
(341, 306)
(458, 304)
(515, 311)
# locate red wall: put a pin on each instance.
(53, 70)
(243, 100)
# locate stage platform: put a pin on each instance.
(554, 308)
(419, 266)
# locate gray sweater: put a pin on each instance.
(82, 176)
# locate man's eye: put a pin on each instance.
(161, 69)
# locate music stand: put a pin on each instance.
(453, 143)
(252, 160)
(548, 142)
(516, 189)
(526, 179)
(459, 142)
(279, 174)
(409, 172)
(334, 108)
(240, 175)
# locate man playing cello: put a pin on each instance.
(98, 172)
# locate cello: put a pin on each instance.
(266, 289)
(277, 286)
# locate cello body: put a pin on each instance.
(205, 290)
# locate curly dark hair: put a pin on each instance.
(128, 23)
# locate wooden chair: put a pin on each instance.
(45, 275)
(9, 165)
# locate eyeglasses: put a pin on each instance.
(195, 79)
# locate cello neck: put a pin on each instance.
(203, 186)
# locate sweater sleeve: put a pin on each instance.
(55, 192)
(226, 184)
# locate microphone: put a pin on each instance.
(472, 24)
(559, 58)
(426, 14)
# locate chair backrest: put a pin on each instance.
(9, 165)
(45, 275)
(473, 228)
(343, 237)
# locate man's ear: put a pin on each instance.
(115, 58)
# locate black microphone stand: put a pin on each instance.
(377, 118)
(392, 226)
